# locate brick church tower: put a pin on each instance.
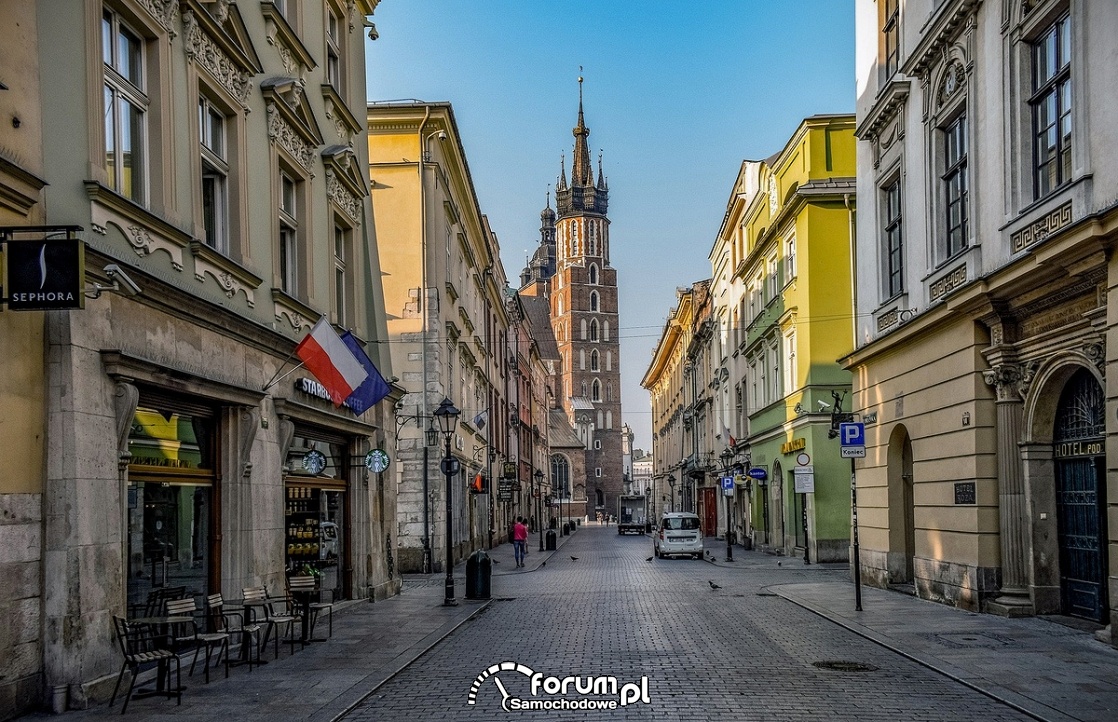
(572, 262)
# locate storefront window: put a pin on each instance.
(315, 521)
(170, 485)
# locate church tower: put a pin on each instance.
(584, 318)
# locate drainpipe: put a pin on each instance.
(851, 213)
(423, 308)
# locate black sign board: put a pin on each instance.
(45, 274)
(510, 470)
(965, 493)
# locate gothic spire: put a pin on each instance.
(581, 172)
(601, 176)
(561, 181)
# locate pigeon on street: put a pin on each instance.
(649, 559)
(574, 559)
(713, 585)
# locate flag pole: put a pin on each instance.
(276, 378)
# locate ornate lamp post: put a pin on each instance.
(727, 456)
(539, 511)
(447, 417)
(671, 485)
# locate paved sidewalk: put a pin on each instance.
(372, 642)
(1040, 667)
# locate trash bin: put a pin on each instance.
(550, 536)
(648, 527)
(479, 570)
(566, 528)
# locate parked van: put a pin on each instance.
(679, 533)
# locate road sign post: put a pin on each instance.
(852, 437)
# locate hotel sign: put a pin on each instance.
(45, 274)
(1072, 449)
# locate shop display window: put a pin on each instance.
(170, 497)
(315, 511)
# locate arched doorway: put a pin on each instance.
(902, 509)
(1080, 486)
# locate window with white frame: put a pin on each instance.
(790, 258)
(343, 276)
(335, 71)
(893, 239)
(1051, 107)
(213, 137)
(594, 329)
(593, 300)
(126, 106)
(594, 358)
(955, 186)
(890, 37)
(290, 192)
(596, 390)
(790, 368)
(594, 273)
(774, 370)
(773, 277)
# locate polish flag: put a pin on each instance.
(327, 357)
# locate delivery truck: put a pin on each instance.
(631, 509)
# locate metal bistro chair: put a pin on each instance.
(309, 585)
(233, 623)
(139, 645)
(187, 633)
(278, 611)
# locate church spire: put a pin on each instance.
(581, 172)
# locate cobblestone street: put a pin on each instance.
(733, 653)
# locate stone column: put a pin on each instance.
(1013, 517)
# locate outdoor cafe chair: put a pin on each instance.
(233, 623)
(140, 646)
(278, 613)
(188, 633)
(310, 585)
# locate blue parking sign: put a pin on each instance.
(852, 434)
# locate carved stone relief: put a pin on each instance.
(338, 193)
(281, 132)
(125, 399)
(1006, 380)
(201, 48)
(249, 421)
(286, 436)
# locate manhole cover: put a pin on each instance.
(844, 666)
(960, 640)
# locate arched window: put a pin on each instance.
(594, 330)
(609, 419)
(599, 496)
(594, 360)
(605, 331)
(559, 306)
(609, 360)
(593, 300)
(561, 475)
(584, 329)
(594, 273)
(609, 391)
(596, 392)
(582, 359)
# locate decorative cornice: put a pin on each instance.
(295, 57)
(938, 34)
(230, 276)
(340, 194)
(284, 133)
(883, 109)
(298, 314)
(203, 49)
(164, 12)
(345, 122)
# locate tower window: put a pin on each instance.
(593, 300)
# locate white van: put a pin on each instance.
(679, 532)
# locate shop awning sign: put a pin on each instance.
(45, 274)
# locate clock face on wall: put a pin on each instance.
(314, 462)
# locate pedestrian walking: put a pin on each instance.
(519, 541)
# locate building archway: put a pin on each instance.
(1064, 468)
(902, 508)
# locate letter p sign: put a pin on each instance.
(852, 434)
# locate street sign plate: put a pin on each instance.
(852, 434)
(727, 482)
(853, 452)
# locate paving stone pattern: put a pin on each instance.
(735, 653)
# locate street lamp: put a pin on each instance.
(671, 485)
(728, 456)
(539, 512)
(447, 416)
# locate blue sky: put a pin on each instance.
(676, 95)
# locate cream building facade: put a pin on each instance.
(983, 347)
(211, 157)
(445, 301)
